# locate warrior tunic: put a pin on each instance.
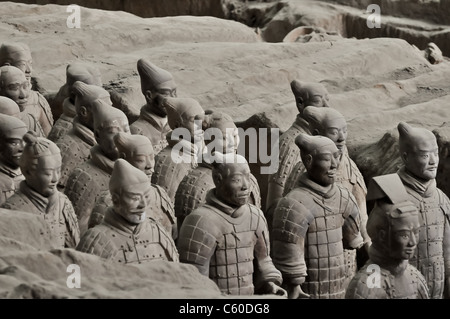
(9, 181)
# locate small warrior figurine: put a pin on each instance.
(393, 226)
(19, 55)
(138, 151)
(420, 155)
(221, 135)
(40, 163)
(306, 93)
(227, 238)
(63, 104)
(156, 84)
(89, 179)
(314, 223)
(77, 143)
(181, 155)
(330, 123)
(126, 235)
(12, 131)
(9, 107)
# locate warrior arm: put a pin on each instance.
(351, 235)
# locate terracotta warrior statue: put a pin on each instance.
(89, 179)
(306, 93)
(329, 122)
(227, 238)
(185, 144)
(63, 104)
(221, 135)
(313, 224)
(40, 163)
(156, 84)
(9, 107)
(19, 55)
(12, 131)
(420, 156)
(126, 235)
(138, 151)
(77, 143)
(393, 226)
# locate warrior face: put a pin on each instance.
(307, 94)
(11, 146)
(24, 62)
(105, 136)
(404, 234)
(423, 159)
(143, 161)
(132, 202)
(44, 176)
(233, 188)
(336, 130)
(322, 164)
(157, 95)
(14, 85)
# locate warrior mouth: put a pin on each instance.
(23, 101)
(332, 174)
(243, 195)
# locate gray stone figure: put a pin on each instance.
(185, 144)
(9, 107)
(77, 143)
(227, 238)
(126, 235)
(138, 151)
(63, 104)
(12, 131)
(89, 179)
(420, 155)
(331, 123)
(313, 224)
(306, 93)
(223, 136)
(156, 84)
(19, 55)
(40, 163)
(393, 226)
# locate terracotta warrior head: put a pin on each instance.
(40, 163)
(108, 121)
(13, 84)
(129, 188)
(320, 156)
(185, 113)
(433, 54)
(393, 223)
(327, 122)
(85, 96)
(8, 106)
(18, 55)
(137, 150)
(419, 151)
(231, 176)
(218, 125)
(309, 93)
(83, 72)
(12, 131)
(156, 84)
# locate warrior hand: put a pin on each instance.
(296, 292)
(275, 289)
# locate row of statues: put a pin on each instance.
(158, 188)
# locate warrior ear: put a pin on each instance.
(315, 132)
(307, 160)
(123, 155)
(115, 198)
(404, 157)
(148, 95)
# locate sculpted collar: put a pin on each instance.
(13, 173)
(100, 160)
(395, 267)
(326, 192)
(425, 189)
(83, 132)
(301, 124)
(121, 224)
(43, 204)
(158, 122)
(212, 200)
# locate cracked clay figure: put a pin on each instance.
(9, 107)
(393, 226)
(63, 105)
(313, 224)
(181, 155)
(331, 123)
(420, 156)
(12, 131)
(19, 56)
(227, 238)
(40, 163)
(306, 93)
(126, 235)
(138, 151)
(156, 84)
(221, 135)
(89, 179)
(76, 145)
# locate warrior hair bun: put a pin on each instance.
(30, 138)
